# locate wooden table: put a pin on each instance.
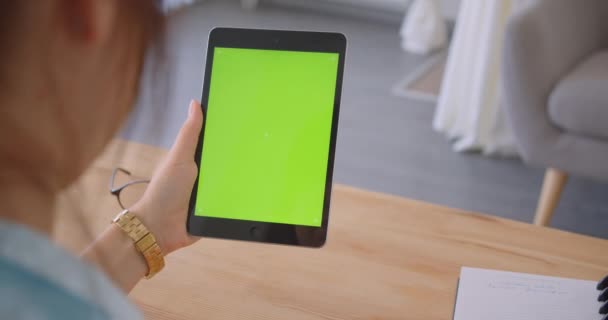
(386, 257)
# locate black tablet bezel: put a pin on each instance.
(255, 230)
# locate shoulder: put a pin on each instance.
(39, 280)
(26, 295)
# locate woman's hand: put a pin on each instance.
(164, 207)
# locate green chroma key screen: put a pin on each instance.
(267, 136)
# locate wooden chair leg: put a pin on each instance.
(553, 185)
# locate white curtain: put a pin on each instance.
(424, 29)
(468, 110)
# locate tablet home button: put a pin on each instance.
(255, 232)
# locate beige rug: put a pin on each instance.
(425, 81)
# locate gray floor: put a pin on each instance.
(385, 142)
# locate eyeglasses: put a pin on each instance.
(129, 191)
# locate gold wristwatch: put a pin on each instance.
(144, 240)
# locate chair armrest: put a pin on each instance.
(543, 42)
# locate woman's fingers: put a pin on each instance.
(187, 138)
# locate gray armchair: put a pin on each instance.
(555, 75)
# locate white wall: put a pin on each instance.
(392, 10)
(449, 7)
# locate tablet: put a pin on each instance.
(266, 151)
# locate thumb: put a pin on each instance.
(187, 139)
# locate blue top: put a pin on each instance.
(39, 280)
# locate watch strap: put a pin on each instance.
(144, 241)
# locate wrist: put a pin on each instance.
(136, 262)
(114, 253)
(144, 241)
(144, 213)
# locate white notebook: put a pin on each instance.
(498, 295)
